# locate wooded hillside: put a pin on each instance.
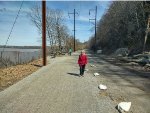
(122, 26)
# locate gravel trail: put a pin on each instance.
(57, 88)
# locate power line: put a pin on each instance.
(74, 13)
(11, 31)
(95, 23)
(13, 26)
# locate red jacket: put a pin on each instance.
(82, 59)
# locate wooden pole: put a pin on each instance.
(44, 31)
(74, 33)
(95, 28)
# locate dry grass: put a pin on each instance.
(11, 75)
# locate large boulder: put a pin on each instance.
(121, 52)
(124, 106)
(99, 51)
(135, 51)
(145, 60)
(142, 59)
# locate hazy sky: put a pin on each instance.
(25, 33)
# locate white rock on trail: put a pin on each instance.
(96, 74)
(93, 66)
(124, 106)
(103, 87)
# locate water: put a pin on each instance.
(13, 56)
(20, 50)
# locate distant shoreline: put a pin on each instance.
(22, 47)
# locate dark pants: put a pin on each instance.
(82, 68)
(70, 53)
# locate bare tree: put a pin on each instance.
(55, 25)
(57, 33)
(123, 25)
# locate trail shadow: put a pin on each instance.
(74, 74)
(117, 72)
(117, 109)
(37, 65)
(95, 58)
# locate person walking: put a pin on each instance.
(82, 61)
(70, 51)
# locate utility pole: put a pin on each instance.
(95, 19)
(44, 31)
(74, 13)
